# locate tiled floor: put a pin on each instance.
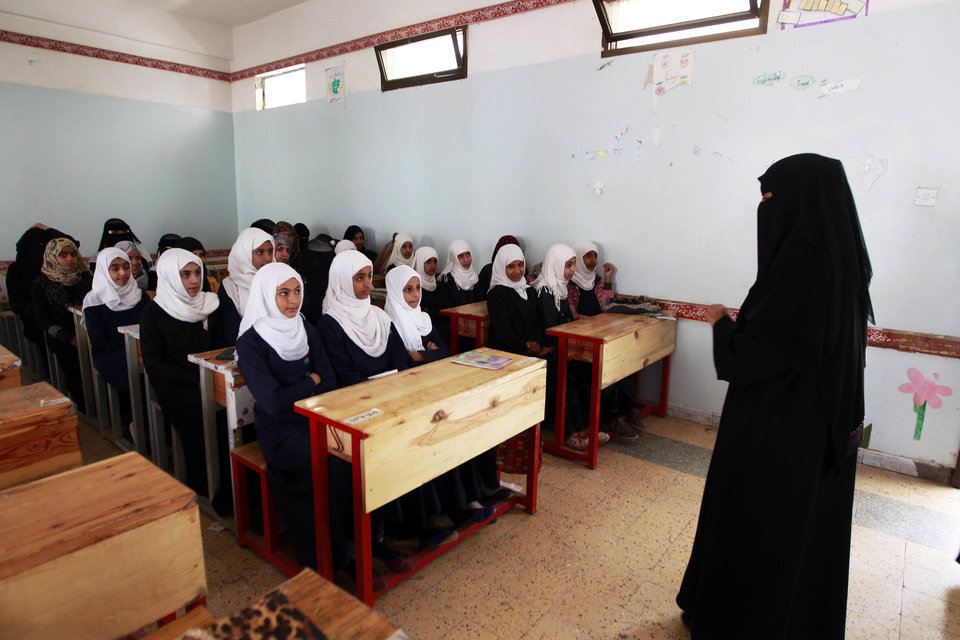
(604, 554)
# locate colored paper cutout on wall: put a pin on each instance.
(335, 86)
(671, 69)
(801, 82)
(768, 79)
(807, 13)
(841, 86)
(925, 392)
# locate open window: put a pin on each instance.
(440, 56)
(282, 87)
(630, 26)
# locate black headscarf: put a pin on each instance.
(353, 230)
(264, 223)
(167, 241)
(191, 244)
(813, 276)
(303, 234)
(114, 231)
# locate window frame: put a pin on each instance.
(260, 82)
(427, 78)
(760, 9)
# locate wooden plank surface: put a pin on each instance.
(58, 515)
(474, 310)
(605, 327)
(38, 434)
(429, 419)
(26, 405)
(634, 351)
(194, 619)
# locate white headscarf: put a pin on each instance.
(396, 257)
(551, 273)
(498, 275)
(420, 257)
(344, 245)
(105, 290)
(465, 278)
(171, 295)
(366, 325)
(143, 279)
(286, 335)
(240, 265)
(411, 323)
(583, 277)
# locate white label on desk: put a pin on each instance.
(366, 415)
(527, 361)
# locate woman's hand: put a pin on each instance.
(607, 271)
(714, 312)
(432, 346)
(416, 356)
(315, 377)
(534, 347)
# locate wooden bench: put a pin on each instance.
(9, 369)
(38, 434)
(98, 552)
(249, 457)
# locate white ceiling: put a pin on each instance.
(230, 13)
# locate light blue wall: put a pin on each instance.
(72, 160)
(493, 154)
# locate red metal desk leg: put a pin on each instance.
(478, 334)
(664, 387)
(559, 422)
(533, 469)
(594, 426)
(363, 541)
(321, 497)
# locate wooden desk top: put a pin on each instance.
(207, 360)
(8, 359)
(27, 405)
(474, 309)
(57, 515)
(606, 327)
(132, 330)
(422, 422)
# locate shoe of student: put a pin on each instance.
(623, 430)
(460, 517)
(395, 561)
(580, 440)
(633, 417)
(500, 495)
(437, 538)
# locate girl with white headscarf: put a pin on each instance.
(588, 292)
(458, 280)
(415, 327)
(282, 360)
(182, 319)
(252, 250)
(114, 301)
(344, 245)
(139, 261)
(402, 252)
(425, 263)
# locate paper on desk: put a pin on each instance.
(382, 375)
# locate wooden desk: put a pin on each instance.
(469, 320)
(332, 611)
(406, 429)
(9, 369)
(38, 434)
(85, 354)
(8, 330)
(221, 384)
(616, 345)
(98, 552)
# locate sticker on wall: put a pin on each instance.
(872, 169)
(335, 86)
(925, 392)
(841, 86)
(801, 82)
(768, 79)
(671, 69)
(615, 147)
(807, 13)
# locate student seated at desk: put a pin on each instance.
(588, 293)
(425, 264)
(355, 235)
(115, 230)
(457, 283)
(114, 301)
(362, 342)
(181, 320)
(282, 360)
(139, 262)
(286, 245)
(517, 325)
(195, 247)
(252, 249)
(401, 253)
(64, 280)
(167, 241)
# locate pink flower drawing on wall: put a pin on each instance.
(925, 392)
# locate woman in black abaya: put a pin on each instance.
(772, 549)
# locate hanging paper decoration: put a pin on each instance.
(924, 392)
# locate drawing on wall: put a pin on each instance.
(615, 147)
(335, 86)
(925, 392)
(671, 69)
(807, 13)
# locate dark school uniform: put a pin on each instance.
(107, 344)
(229, 316)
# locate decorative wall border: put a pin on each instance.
(907, 341)
(484, 14)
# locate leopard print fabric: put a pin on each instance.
(271, 617)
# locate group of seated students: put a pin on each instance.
(295, 339)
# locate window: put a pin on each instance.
(433, 57)
(283, 87)
(640, 25)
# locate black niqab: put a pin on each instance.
(116, 230)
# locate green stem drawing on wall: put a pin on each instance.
(924, 392)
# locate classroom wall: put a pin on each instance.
(504, 152)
